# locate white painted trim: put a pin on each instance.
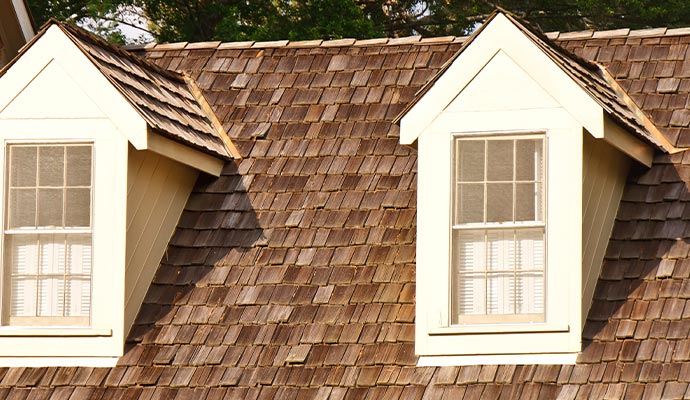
(184, 154)
(38, 362)
(55, 47)
(497, 328)
(24, 19)
(623, 141)
(499, 359)
(104, 340)
(501, 35)
(12, 331)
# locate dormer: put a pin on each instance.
(100, 151)
(523, 152)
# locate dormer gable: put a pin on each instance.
(585, 89)
(100, 153)
(523, 153)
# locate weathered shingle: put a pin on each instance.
(293, 273)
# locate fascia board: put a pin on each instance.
(628, 144)
(502, 34)
(55, 46)
(185, 154)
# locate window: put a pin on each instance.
(498, 230)
(48, 235)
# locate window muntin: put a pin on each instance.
(48, 234)
(498, 230)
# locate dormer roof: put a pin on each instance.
(590, 76)
(169, 102)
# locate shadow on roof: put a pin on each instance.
(218, 232)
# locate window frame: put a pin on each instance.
(51, 322)
(559, 335)
(104, 335)
(455, 227)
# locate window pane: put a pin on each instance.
(499, 160)
(79, 254)
(22, 253)
(78, 297)
(530, 293)
(52, 254)
(499, 199)
(23, 292)
(50, 207)
(22, 208)
(51, 293)
(470, 207)
(22, 166)
(501, 254)
(499, 293)
(469, 248)
(470, 294)
(470, 160)
(528, 159)
(528, 202)
(530, 249)
(51, 165)
(78, 207)
(78, 168)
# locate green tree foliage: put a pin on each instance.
(99, 16)
(233, 20)
(569, 15)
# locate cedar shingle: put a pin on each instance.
(306, 294)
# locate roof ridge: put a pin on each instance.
(345, 42)
(406, 40)
(619, 33)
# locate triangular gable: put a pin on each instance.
(583, 90)
(44, 97)
(53, 52)
(517, 88)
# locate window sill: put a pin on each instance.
(498, 359)
(54, 332)
(42, 362)
(497, 329)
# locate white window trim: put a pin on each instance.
(41, 322)
(502, 359)
(102, 341)
(560, 332)
(501, 322)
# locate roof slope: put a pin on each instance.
(292, 275)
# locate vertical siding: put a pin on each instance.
(157, 191)
(604, 172)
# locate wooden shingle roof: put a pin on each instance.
(293, 274)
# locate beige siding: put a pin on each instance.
(157, 191)
(603, 181)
